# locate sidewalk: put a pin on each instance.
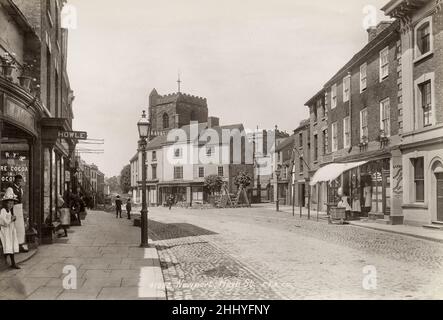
(106, 256)
(413, 231)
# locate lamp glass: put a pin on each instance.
(143, 126)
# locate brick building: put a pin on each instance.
(354, 119)
(421, 189)
(378, 122)
(32, 113)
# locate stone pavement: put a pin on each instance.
(256, 253)
(106, 257)
(413, 231)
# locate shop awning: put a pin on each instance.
(333, 171)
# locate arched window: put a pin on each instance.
(165, 121)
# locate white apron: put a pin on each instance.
(8, 233)
(20, 223)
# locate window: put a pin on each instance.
(363, 77)
(325, 141)
(221, 171)
(314, 111)
(165, 121)
(334, 137)
(423, 39)
(178, 173)
(334, 96)
(346, 88)
(384, 63)
(364, 134)
(301, 165)
(300, 140)
(426, 102)
(385, 117)
(201, 172)
(154, 172)
(177, 153)
(315, 147)
(209, 151)
(419, 179)
(347, 132)
(154, 155)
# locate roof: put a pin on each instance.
(286, 143)
(162, 140)
(134, 158)
(358, 56)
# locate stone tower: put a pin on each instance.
(175, 111)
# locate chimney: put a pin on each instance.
(373, 32)
(213, 122)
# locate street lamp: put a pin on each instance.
(144, 130)
(277, 202)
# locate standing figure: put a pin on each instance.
(118, 207)
(171, 201)
(17, 188)
(8, 231)
(64, 214)
(129, 208)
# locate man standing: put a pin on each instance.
(118, 207)
(17, 188)
(129, 208)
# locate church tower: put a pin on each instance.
(175, 110)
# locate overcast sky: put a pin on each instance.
(256, 61)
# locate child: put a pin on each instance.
(8, 232)
(129, 208)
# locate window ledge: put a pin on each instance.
(423, 56)
(415, 206)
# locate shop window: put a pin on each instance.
(419, 179)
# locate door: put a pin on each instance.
(386, 192)
(439, 177)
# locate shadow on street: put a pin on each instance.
(164, 231)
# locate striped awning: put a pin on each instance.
(332, 171)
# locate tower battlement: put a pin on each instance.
(157, 99)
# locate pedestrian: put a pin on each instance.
(64, 213)
(17, 188)
(118, 207)
(170, 201)
(129, 208)
(8, 231)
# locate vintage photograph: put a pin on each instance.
(221, 151)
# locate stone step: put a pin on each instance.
(383, 221)
(433, 226)
(437, 223)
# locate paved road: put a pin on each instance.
(259, 254)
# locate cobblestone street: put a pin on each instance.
(260, 254)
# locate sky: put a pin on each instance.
(257, 62)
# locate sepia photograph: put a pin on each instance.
(223, 152)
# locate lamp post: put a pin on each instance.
(277, 202)
(144, 130)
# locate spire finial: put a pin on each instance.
(179, 82)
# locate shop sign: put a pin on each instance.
(19, 114)
(67, 176)
(78, 135)
(14, 163)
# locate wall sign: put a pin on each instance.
(78, 135)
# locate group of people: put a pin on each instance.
(118, 207)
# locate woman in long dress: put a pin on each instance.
(8, 232)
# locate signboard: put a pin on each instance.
(78, 135)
